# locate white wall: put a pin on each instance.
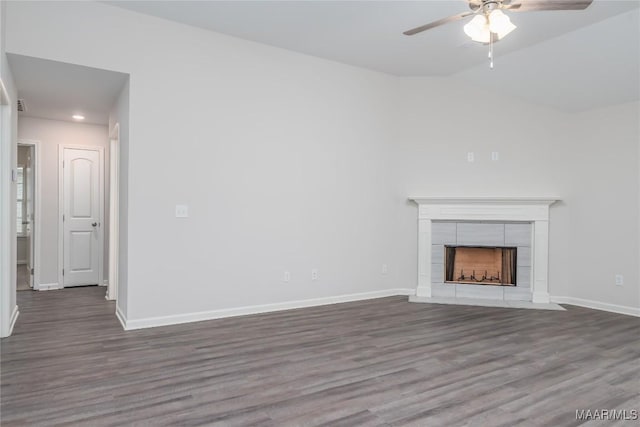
(52, 134)
(301, 162)
(438, 122)
(589, 160)
(292, 171)
(603, 201)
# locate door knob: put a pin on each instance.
(93, 224)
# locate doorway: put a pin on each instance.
(26, 228)
(81, 215)
(78, 108)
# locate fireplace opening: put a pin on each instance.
(480, 265)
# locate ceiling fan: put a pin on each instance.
(491, 24)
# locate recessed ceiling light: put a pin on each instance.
(78, 117)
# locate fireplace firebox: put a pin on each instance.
(481, 265)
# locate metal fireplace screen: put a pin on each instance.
(481, 265)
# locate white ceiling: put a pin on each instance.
(369, 33)
(589, 68)
(570, 60)
(56, 90)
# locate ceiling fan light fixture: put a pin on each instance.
(500, 23)
(478, 29)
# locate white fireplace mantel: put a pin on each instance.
(516, 209)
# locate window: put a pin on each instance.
(20, 201)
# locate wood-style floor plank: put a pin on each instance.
(383, 362)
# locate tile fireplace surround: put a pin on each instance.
(524, 220)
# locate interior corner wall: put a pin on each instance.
(51, 134)
(441, 120)
(589, 160)
(120, 115)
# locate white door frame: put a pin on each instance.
(36, 231)
(114, 212)
(8, 314)
(61, 149)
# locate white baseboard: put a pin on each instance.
(121, 317)
(14, 318)
(49, 286)
(403, 291)
(150, 322)
(105, 282)
(621, 309)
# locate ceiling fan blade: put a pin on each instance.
(438, 23)
(533, 5)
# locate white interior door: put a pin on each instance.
(82, 209)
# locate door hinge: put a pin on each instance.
(63, 163)
(62, 217)
(32, 271)
(63, 271)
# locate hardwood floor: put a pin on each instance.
(369, 363)
(22, 278)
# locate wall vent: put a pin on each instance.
(22, 107)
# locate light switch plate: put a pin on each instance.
(495, 156)
(471, 157)
(182, 211)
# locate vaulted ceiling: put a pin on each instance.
(571, 50)
(569, 60)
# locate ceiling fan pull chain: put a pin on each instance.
(491, 51)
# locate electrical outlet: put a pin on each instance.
(495, 156)
(314, 274)
(182, 211)
(471, 157)
(385, 269)
(287, 276)
(619, 280)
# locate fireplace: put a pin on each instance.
(499, 222)
(481, 265)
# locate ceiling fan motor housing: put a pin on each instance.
(486, 5)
